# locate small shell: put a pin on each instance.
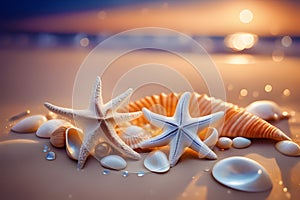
(73, 142)
(211, 137)
(267, 110)
(46, 130)
(113, 162)
(58, 137)
(157, 161)
(240, 142)
(133, 135)
(243, 174)
(224, 143)
(29, 124)
(288, 148)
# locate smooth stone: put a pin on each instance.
(240, 142)
(113, 162)
(29, 124)
(288, 148)
(46, 130)
(157, 161)
(243, 174)
(224, 143)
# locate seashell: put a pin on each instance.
(211, 137)
(50, 126)
(73, 142)
(243, 174)
(58, 137)
(238, 121)
(267, 110)
(157, 161)
(29, 124)
(113, 162)
(240, 142)
(133, 135)
(288, 148)
(224, 143)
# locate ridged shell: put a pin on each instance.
(133, 135)
(224, 143)
(113, 162)
(48, 128)
(267, 110)
(29, 124)
(58, 137)
(157, 161)
(288, 148)
(240, 142)
(238, 122)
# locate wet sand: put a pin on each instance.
(28, 78)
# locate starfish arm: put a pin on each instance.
(117, 143)
(96, 97)
(117, 101)
(202, 149)
(159, 140)
(158, 120)
(67, 112)
(182, 108)
(177, 148)
(124, 117)
(205, 121)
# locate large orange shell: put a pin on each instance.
(238, 122)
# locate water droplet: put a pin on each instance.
(140, 173)
(106, 172)
(125, 173)
(46, 148)
(102, 149)
(50, 156)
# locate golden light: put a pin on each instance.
(246, 16)
(240, 41)
(286, 92)
(277, 55)
(243, 92)
(268, 88)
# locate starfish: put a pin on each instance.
(180, 131)
(99, 120)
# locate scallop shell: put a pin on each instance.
(133, 135)
(240, 142)
(157, 161)
(58, 137)
(113, 162)
(288, 148)
(238, 122)
(73, 142)
(267, 110)
(243, 174)
(29, 124)
(46, 130)
(224, 143)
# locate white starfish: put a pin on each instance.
(180, 131)
(99, 120)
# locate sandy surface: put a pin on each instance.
(28, 78)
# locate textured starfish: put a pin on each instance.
(99, 120)
(180, 131)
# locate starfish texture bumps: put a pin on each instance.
(181, 131)
(98, 120)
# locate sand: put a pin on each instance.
(28, 78)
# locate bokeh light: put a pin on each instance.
(286, 41)
(84, 42)
(268, 88)
(240, 41)
(286, 92)
(244, 92)
(246, 16)
(277, 55)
